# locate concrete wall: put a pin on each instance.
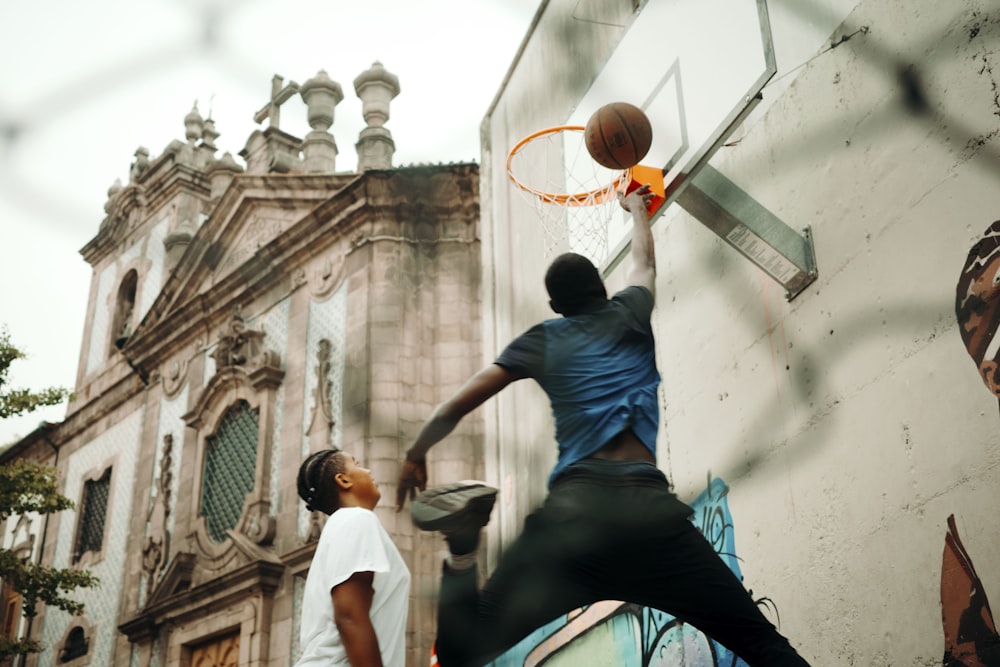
(850, 423)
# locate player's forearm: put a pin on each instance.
(481, 386)
(643, 271)
(643, 255)
(433, 431)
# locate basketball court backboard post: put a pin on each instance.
(756, 233)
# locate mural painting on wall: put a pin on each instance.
(617, 633)
(970, 634)
(977, 306)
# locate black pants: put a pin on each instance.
(608, 531)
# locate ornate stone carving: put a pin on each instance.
(240, 346)
(260, 230)
(174, 374)
(23, 538)
(140, 165)
(325, 277)
(239, 549)
(157, 543)
(322, 421)
(258, 524)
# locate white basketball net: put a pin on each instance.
(574, 197)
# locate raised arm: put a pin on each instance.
(643, 255)
(481, 386)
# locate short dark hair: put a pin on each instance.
(573, 282)
(313, 482)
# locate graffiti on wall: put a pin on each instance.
(619, 633)
(970, 634)
(977, 306)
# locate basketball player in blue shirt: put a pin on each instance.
(610, 527)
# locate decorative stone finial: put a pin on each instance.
(140, 165)
(209, 134)
(376, 87)
(321, 95)
(193, 124)
(115, 188)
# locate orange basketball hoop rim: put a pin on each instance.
(598, 195)
(622, 181)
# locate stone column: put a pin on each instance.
(376, 87)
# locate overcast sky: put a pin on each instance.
(85, 83)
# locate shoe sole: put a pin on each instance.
(448, 507)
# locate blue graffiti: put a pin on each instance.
(618, 633)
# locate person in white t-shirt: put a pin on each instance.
(358, 589)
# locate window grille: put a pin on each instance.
(230, 466)
(93, 512)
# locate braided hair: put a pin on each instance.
(315, 483)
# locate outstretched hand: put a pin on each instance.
(412, 480)
(640, 197)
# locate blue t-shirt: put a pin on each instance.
(599, 371)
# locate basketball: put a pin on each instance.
(618, 135)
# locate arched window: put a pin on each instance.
(121, 327)
(230, 469)
(76, 645)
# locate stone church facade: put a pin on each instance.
(239, 318)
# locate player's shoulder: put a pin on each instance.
(634, 293)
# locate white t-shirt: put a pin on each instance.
(353, 540)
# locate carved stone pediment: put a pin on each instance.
(182, 597)
(237, 551)
(176, 579)
(262, 228)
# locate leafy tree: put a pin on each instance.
(29, 487)
(16, 402)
